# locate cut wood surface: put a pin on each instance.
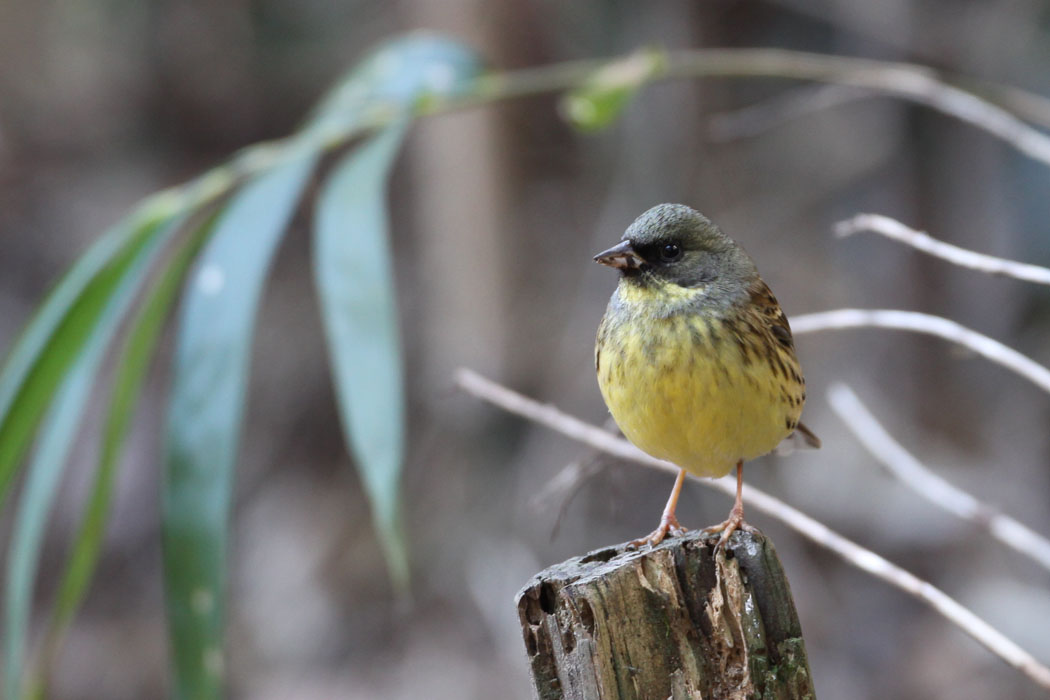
(673, 622)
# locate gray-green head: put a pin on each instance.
(677, 244)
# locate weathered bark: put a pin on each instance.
(670, 622)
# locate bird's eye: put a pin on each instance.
(670, 252)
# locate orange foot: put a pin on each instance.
(734, 522)
(669, 525)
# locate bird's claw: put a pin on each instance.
(734, 522)
(669, 525)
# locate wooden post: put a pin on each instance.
(670, 622)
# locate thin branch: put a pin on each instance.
(910, 82)
(568, 479)
(912, 473)
(864, 559)
(757, 118)
(920, 240)
(915, 83)
(1030, 106)
(567, 483)
(931, 325)
(760, 117)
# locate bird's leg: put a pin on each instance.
(735, 521)
(668, 522)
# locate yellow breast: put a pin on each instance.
(696, 389)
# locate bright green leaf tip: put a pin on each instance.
(603, 97)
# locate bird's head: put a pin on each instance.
(676, 244)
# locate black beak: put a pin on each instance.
(620, 256)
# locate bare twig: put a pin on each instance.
(908, 81)
(1030, 106)
(567, 483)
(931, 325)
(754, 119)
(920, 240)
(915, 83)
(762, 116)
(864, 559)
(913, 474)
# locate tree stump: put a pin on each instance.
(673, 621)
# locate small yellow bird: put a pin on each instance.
(695, 359)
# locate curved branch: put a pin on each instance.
(902, 465)
(931, 325)
(915, 83)
(920, 240)
(864, 559)
(754, 119)
(910, 82)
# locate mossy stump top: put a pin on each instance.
(672, 621)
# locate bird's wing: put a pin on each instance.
(767, 306)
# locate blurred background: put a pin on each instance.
(496, 214)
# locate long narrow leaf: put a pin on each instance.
(352, 259)
(131, 366)
(205, 415)
(56, 439)
(23, 353)
(354, 275)
(54, 338)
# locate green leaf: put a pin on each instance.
(55, 336)
(205, 416)
(53, 447)
(353, 268)
(131, 366)
(409, 72)
(603, 97)
(405, 75)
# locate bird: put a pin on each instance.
(695, 358)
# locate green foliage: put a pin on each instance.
(205, 415)
(221, 263)
(355, 281)
(55, 440)
(600, 100)
(131, 364)
(55, 336)
(220, 232)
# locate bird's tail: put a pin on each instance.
(801, 438)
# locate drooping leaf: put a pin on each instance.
(353, 268)
(56, 439)
(211, 359)
(55, 336)
(356, 288)
(205, 415)
(603, 97)
(130, 371)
